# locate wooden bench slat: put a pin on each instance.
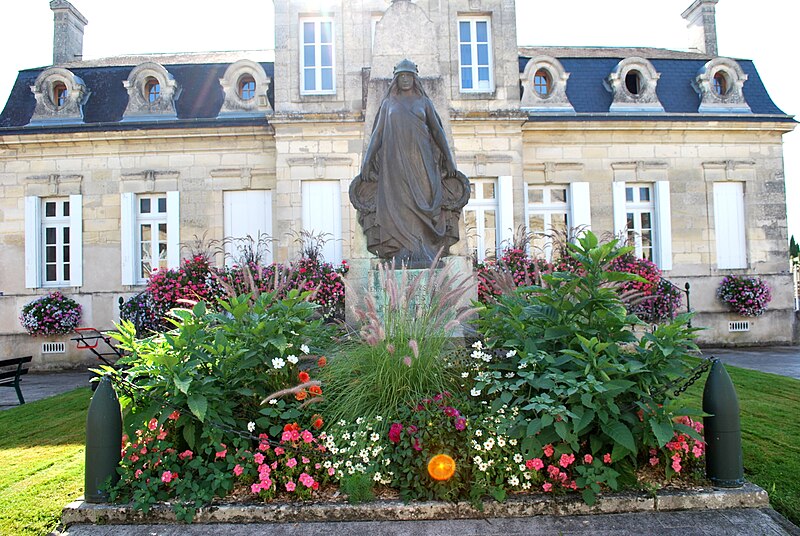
(14, 361)
(11, 378)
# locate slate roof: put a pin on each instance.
(588, 67)
(197, 74)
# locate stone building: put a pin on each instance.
(107, 166)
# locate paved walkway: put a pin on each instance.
(782, 360)
(39, 385)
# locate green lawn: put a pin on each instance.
(41, 462)
(41, 450)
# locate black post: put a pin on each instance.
(103, 442)
(688, 303)
(723, 433)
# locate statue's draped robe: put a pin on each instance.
(408, 167)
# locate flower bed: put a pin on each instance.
(258, 401)
(747, 296)
(53, 314)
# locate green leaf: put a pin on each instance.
(188, 434)
(589, 496)
(621, 435)
(198, 404)
(182, 385)
(662, 430)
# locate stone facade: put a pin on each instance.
(295, 143)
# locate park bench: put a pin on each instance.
(10, 378)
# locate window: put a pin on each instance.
(60, 94)
(633, 82)
(481, 219)
(247, 88)
(53, 247)
(150, 235)
(316, 57)
(475, 55)
(152, 89)
(720, 84)
(547, 217)
(639, 214)
(729, 225)
(542, 82)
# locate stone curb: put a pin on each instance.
(749, 496)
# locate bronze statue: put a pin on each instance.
(409, 194)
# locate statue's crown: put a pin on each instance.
(406, 66)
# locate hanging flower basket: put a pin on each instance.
(53, 314)
(747, 296)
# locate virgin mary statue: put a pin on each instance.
(409, 194)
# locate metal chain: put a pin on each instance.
(698, 372)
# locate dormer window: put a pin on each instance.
(247, 88)
(633, 85)
(542, 82)
(60, 94)
(152, 89)
(719, 83)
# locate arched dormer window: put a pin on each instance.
(245, 86)
(152, 93)
(60, 96)
(633, 85)
(544, 86)
(719, 84)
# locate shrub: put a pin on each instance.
(142, 312)
(653, 299)
(53, 314)
(747, 296)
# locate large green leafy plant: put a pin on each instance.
(564, 353)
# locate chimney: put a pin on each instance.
(702, 25)
(68, 26)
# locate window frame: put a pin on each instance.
(130, 227)
(636, 208)
(474, 67)
(35, 243)
(317, 67)
(246, 83)
(480, 205)
(547, 209)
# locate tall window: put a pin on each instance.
(316, 56)
(56, 241)
(247, 87)
(60, 94)
(53, 248)
(547, 218)
(152, 89)
(475, 55)
(151, 229)
(542, 83)
(640, 218)
(480, 219)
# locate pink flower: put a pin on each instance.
(162, 435)
(256, 487)
(186, 454)
(461, 423)
(697, 450)
(258, 458)
(394, 432)
(279, 451)
(676, 465)
(607, 458)
(566, 460)
(174, 415)
(654, 461)
(548, 450)
(137, 473)
(547, 486)
(290, 486)
(222, 453)
(587, 458)
(134, 458)
(153, 424)
(304, 459)
(331, 471)
(167, 477)
(291, 462)
(238, 470)
(535, 463)
(286, 436)
(307, 436)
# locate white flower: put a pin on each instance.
(475, 392)
(374, 437)
(304, 348)
(509, 374)
(278, 363)
(501, 441)
(514, 481)
(483, 467)
(251, 426)
(517, 458)
(465, 374)
(511, 353)
(377, 477)
(379, 418)
(477, 344)
(353, 443)
(488, 444)
(292, 359)
(523, 364)
(526, 485)
(360, 420)
(273, 401)
(478, 433)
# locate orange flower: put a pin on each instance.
(301, 395)
(315, 390)
(318, 422)
(290, 427)
(304, 377)
(321, 362)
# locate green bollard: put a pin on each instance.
(723, 432)
(103, 442)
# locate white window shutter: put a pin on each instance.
(76, 240)
(663, 223)
(128, 238)
(618, 199)
(322, 213)
(173, 230)
(246, 213)
(580, 206)
(33, 242)
(729, 225)
(505, 209)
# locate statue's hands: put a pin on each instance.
(450, 168)
(369, 173)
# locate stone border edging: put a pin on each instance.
(749, 496)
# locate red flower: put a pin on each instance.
(303, 377)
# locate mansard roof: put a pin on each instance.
(197, 74)
(589, 67)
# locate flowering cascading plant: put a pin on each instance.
(747, 296)
(50, 315)
(684, 454)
